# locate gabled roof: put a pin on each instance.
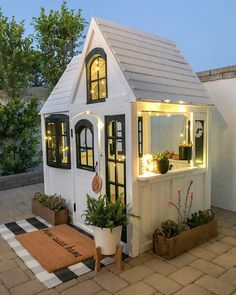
(59, 98)
(153, 66)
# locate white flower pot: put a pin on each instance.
(107, 240)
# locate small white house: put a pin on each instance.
(128, 95)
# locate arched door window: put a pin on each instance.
(84, 145)
(96, 67)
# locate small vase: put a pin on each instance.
(185, 153)
(163, 166)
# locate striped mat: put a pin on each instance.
(10, 230)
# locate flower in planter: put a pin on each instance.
(188, 201)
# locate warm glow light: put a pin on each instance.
(102, 82)
(87, 112)
(167, 100)
(147, 164)
(168, 115)
(100, 125)
(181, 135)
(97, 69)
(139, 113)
(181, 101)
(92, 91)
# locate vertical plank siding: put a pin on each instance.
(154, 195)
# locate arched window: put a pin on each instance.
(57, 141)
(84, 145)
(96, 68)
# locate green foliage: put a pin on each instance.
(16, 57)
(169, 228)
(57, 35)
(200, 217)
(19, 139)
(104, 214)
(160, 157)
(54, 202)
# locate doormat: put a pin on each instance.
(10, 230)
(58, 247)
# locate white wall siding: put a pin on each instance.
(155, 193)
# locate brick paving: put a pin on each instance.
(207, 269)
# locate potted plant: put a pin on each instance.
(107, 219)
(162, 162)
(174, 238)
(51, 208)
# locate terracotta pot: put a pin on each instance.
(163, 166)
(170, 248)
(106, 239)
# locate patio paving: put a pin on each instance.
(207, 269)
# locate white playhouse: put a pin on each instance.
(128, 95)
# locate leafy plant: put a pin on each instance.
(58, 36)
(16, 57)
(53, 202)
(103, 213)
(169, 228)
(19, 140)
(160, 157)
(200, 217)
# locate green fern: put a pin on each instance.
(103, 213)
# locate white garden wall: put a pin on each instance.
(223, 143)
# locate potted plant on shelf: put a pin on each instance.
(107, 219)
(51, 208)
(174, 238)
(162, 162)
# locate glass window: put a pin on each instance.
(96, 75)
(84, 145)
(57, 141)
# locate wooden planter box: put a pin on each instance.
(170, 248)
(52, 217)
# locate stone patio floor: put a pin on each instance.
(207, 269)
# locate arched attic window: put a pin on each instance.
(96, 69)
(84, 145)
(57, 141)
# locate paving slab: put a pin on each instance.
(186, 275)
(136, 274)
(89, 288)
(13, 277)
(215, 285)
(161, 266)
(139, 288)
(162, 284)
(110, 282)
(207, 267)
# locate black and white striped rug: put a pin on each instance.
(8, 232)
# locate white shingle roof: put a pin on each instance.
(153, 66)
(59, 99)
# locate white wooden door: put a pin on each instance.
(86, 151)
